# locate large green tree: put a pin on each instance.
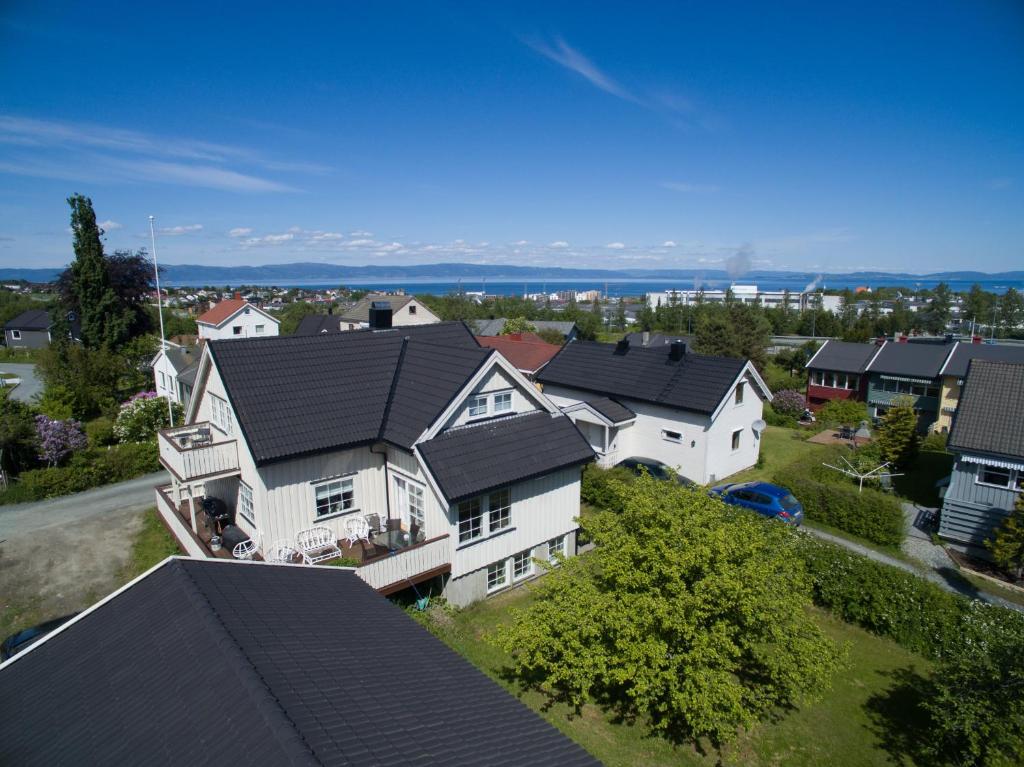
(689, 615)
(897, 436)
(738, 330)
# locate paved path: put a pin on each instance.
(30, 384)
(134, 495)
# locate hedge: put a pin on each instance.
(600, 487)
(87, 469)
(917, 614)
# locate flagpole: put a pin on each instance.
(160, 311)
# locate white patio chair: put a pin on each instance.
(247, 549)
(356, 529)
(317, 544)
(281, 552)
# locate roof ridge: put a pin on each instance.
(249, 677)
(391, 390)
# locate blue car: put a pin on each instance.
(766, 499)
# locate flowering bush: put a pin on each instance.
(789, 402)
(58, 439)
(142, 416)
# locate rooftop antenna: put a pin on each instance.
(160, 310)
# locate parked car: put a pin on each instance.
(766, 499)
(15, 643)
(655, 469)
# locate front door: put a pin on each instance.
(409, 502)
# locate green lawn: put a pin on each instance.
(779, 446)
(153, 544)
(868, 717)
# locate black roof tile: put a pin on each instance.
(696, 382)
(211, 662)
(912, 360)
(988, 416)
(965, 352)
(470, 460)
(33, 319)
(843, 357)
(614, 411)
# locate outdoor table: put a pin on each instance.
(392, 539)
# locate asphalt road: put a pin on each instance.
(30, 385)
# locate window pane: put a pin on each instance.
(739, 393)
(478, 406)
(470, 520)
(245, 504)
(993, 475)
(416, 504)
(522, 565)
(556, 546)
(497, 575)
(503, 402)
(334, 497)
(499, 510)
(736, 440)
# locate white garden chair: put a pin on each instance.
(317, 544)
(356, 529)
(247, 549)
(281, 552)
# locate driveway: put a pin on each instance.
(30, 384)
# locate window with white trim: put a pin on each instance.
(994, 475)
(335, 496)
(478, 405)
(163, 381)
(260, 329)
(16, 335)
(237, 330)
(522, 565)
(221, 415)
(503, 402)
(736, 439)
(245, 505)
(497, 575)
(471, 520)
(412, 308)
(499, 510)
(672, 436)
(739, 392)
(410, 496)
(556, 546)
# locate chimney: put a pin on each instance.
(903, 338)
(622, 346)
(238, 296)
(647, 338)
(975, 339)
(380, 315)
(677, 351)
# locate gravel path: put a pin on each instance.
(30, 384)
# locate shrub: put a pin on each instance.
(773, 418)
(843, 411)
(100, 432)
(58, 439)
(934, 443)
(142, 416)
(779, 378)
(789, 402)
(600, 487)
(897, 436)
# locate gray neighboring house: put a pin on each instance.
(987, 438)
(495, 326)
(29, 330)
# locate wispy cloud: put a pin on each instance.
(559, 244)
(615, 245)
(176, 231)
(565, 55)
(668, 244)
(240, 231)
(110, 226)
(687, 188)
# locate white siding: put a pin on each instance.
(435, 512)
(722, 461)
(497, 380)
(422, 315)
(169, 388)
(247, 319)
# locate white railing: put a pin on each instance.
(165, 507)
(188, 453)
(397, 569)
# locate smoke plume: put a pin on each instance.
(738, 263)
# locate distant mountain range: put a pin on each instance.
(302, 273)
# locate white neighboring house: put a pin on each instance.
(405, 311)
(174, 371)
(420, 426)
(235, 318)
(699, 414)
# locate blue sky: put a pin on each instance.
(802, 135)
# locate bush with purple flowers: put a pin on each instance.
(58, 439)
(789, 402)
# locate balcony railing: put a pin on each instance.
(399, 569)
(190, 452)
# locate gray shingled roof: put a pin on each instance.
(33, 319)
(913, 360)
(612, 410)
(965, 352)
(843, 357)
(182, 357)
(989, 418)
(314, 324)
(474, 459)
(696, 382)
(495, 326)
(657, 339)
(297, 395)
(211, 662)
(361, 311)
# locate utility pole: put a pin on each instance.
(160, 311)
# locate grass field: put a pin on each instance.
(868, 717)
(153, 544)
(779, 446)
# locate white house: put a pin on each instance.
(698, 414)
(174, 371)
(235, 318)
(420, 426)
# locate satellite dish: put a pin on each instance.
(758, 425)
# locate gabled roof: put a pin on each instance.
(183, 357)
(297, 395)
(220, 662)
(912, 360)
(612, 410)
(525, 354)
(842, 356)
(314, 324)
(696, 382)
(33, 319)
(965, 352)
(495, 326)
(470, 460)
(361, 311)
(227, 309)
(988, 417)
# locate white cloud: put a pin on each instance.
(110, 226)
(681, 186)
(391, 247)
(360, 233)
(521, 242)
(616, 245)
(175, 231)
(327, 236)
(276, 238)
(361, 243)
(668, 244)
(559, 244)
(562, 53)
(240, 231)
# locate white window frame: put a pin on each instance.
(666, 434)
(556, 546)
(736, 442)
(505, 396)
(506, 516)
(493, 571)
(246, 507)
(476, 402)
(15, 335)
(522, 565)
(738, 399)
(413, 494)
(163, 380)
(260, 329)
(479, 516)
(333, 511)
(1010, 480)
(220, 415)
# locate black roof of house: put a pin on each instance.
(33, 319)
(988, 416)
(614, 411)
(297, 395)
(213, 662)
(657, 339)
(842, 356)
(912, 360)
(471, 460)
(696, 382)
(965, 352)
